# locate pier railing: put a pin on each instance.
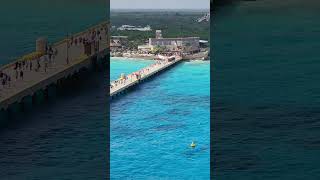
(66, 63)
(102, 24)
(130, 80)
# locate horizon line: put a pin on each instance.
(159, 9)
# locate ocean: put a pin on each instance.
(64, 138)
(23, 22)
(153, 125)
(265, 90)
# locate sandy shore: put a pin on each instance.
(197, 56)
(136, 57)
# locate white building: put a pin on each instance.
(158, 34)
(206, 18)
(187, 44)
(134, 28)
(144, 48)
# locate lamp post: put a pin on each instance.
(67, 48)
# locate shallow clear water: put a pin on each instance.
(153, 125)
(120, 65)
(265, 90)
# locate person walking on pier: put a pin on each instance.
(50, 53)
(21, 74)
(17, 74)
(46, 48)
(6, 80)
(45, 65)
(16, 66)
(30, 65)
(55, 53)
(38, 65)
(3, 82)
(71, 40)
(23, 64)
(2, 78)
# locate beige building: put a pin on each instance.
(185, 44)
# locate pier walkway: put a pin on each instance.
(26, 76)
(128, 81)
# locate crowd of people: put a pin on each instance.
(91, 37)
(21, 67)
(41, 64)
(5, 79)
(138, 74)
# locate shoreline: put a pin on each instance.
(134, 57)
(138, 59)
(203, 55)
(151, 59)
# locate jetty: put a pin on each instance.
(38, 70)
(125, 82)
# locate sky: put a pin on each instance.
(160, 4)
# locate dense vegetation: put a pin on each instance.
(172, 24)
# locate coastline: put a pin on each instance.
(135, 57)
(138, 58)
(134, 60)
(199, 56)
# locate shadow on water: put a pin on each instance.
(82, 83)
(190, 152)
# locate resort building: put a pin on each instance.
(204, 44)
(144, 48)
(134, 28)
(205, 18)
(158, 34)
(184, 44)
(118, 42)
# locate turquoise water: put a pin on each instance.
(153, 125)
(120, 65)
(266, 90)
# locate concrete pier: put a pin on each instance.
(121, 85)
(70, 56)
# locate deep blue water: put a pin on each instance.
(153, 125)
(64, 138)
(266, 93)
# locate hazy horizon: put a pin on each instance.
(159, 5)
(134, 10)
